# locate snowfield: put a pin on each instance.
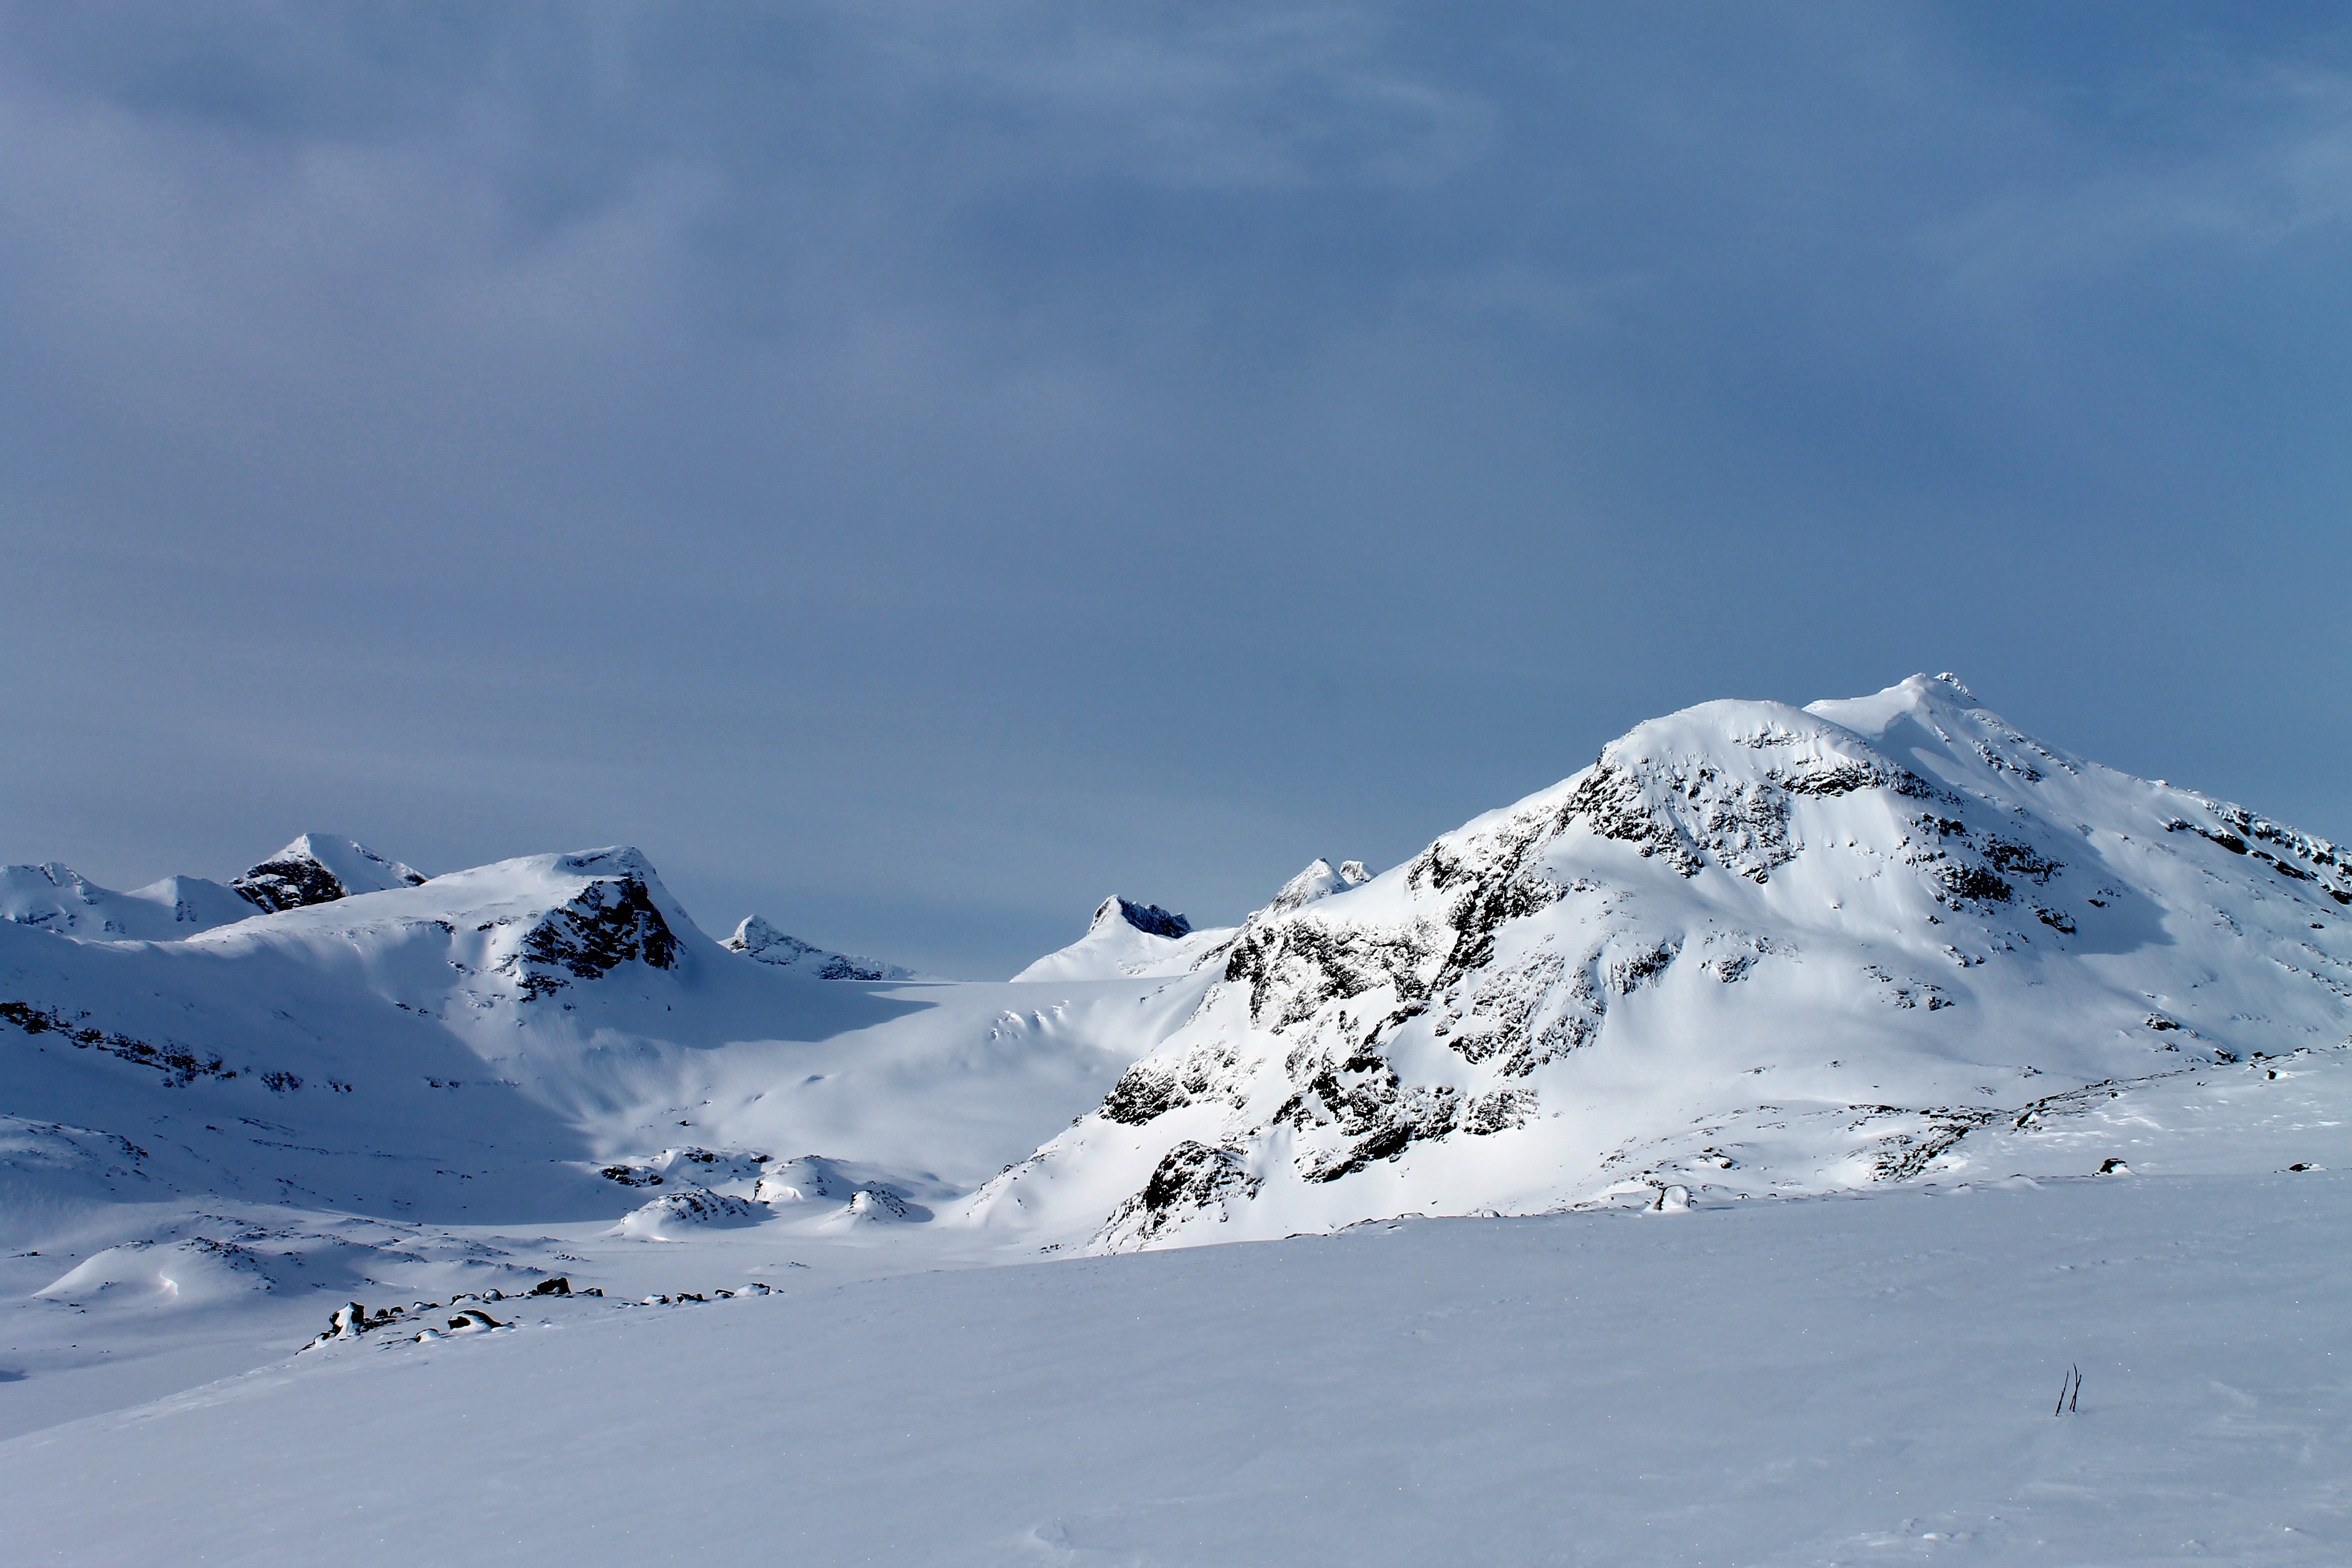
(1722, 1155)
(1815, 1382)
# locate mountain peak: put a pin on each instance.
(56, 898)
(1899, 912)
(318, 868)
(1319, 881)
(1149, 919)
(755, 939)
(1127, 939)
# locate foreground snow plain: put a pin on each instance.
(1708, 1159)
(1835, 1380)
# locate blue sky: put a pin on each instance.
(916, 470)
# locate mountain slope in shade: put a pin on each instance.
(1752, 948)
(1127, 941)
(754, 938)
(318, 868)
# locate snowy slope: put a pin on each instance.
(482, 1044)
(319, 1102)
(1752, 948)
(1754, 951)
(315, 868)
(1127, 941)
(57, 899)
(754, 938)
(1786, 1384)
(1318, 881)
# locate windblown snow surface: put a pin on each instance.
(1727, 1155)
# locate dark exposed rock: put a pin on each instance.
(1500, 1112)
(1907, 1154)
(610, 921)
(1190, 1177)
(296, 877)
(178, 1064)
(1153, 920)
(1973, 882)
(289, 884)
(2018, 860)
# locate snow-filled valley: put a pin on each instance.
(1717, 1156)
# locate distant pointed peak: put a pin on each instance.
(319, 868)
(1319, 881)
(1948, 678)
(754, 938)
(1149, 919)
(752, 933)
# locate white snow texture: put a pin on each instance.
(1565, 1120)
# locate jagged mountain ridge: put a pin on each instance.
(315, 868)
(494, 1040)
(1752, 948)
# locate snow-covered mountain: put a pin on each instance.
(1127, 941)
(755, 938)
(1318, 881)
(1752, 948)
(1753, 952)
(57, 899)
(318, 868)
(494, 1041)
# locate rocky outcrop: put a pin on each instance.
(318, 868)
(686, 1208)
(1149, 919)
(613, 919)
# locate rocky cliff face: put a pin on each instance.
(612, 919)
(1885, 922)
